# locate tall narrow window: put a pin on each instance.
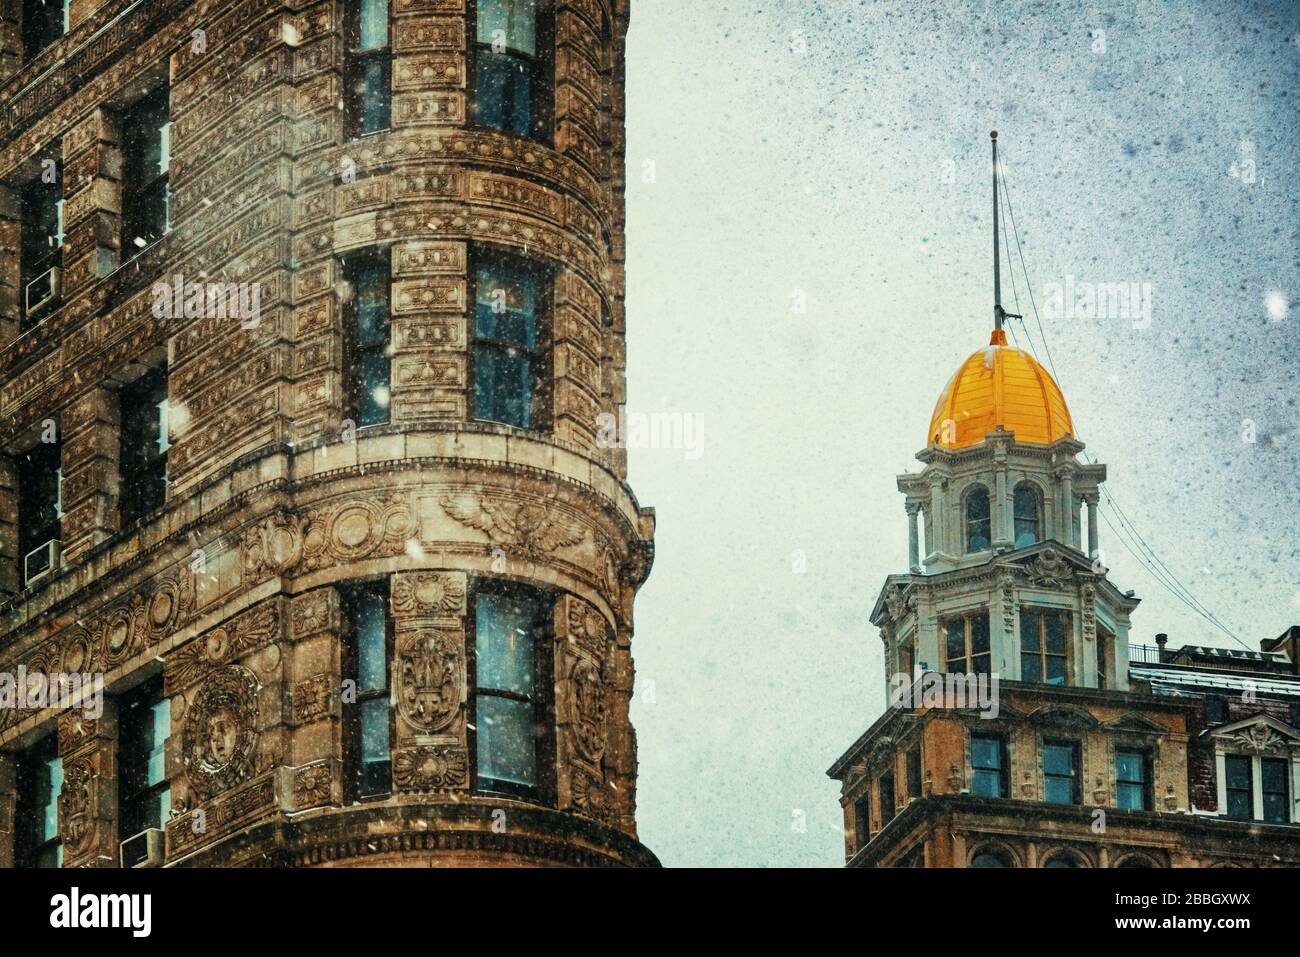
(366, 361)
(977, 520)
(369, 724)
(40, 482)
(1025, 508)
(144, 445)
(1061, 772)
(146, 159)
(888, 806)
(512, 71)
(988, 759)
(36, 818)
(1273, 774)
(1132, 781)
(967, 644)
(369, 79)
(509, 340)
(509, 688)
(44, 21)
(1105, 641)
(145, 722)
(862, 819)
(1240, 786)
(1043, 646)
(914, 772)
(42, 250)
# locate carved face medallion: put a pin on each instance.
(220, 735)
(430, 677)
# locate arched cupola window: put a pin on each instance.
(977, 520)
(1028, 516)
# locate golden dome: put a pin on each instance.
(1000, 386)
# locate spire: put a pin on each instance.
(999, 314)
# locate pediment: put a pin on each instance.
(1052, 565)
(1258, 733)
(1064, 717)
(1135, 723)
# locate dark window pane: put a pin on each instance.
(1237, 770)
(40, 779)
(368, 378)
(1062, 860)
(1031, 668)
(977, 520)
(505, 631)
(506, 743)
(503, 383)
(146, 158)
(504, 92)
(374, 730)
(1026, 516)
(1055, 628)
(985, 752)
(986, 784)
(1055, 670)
(887, 807)
(373, 32)
(1273, 781)
(371, 637)
(1128, 766)
(44, 21)
(914, 772)
(145, 724)
(38, 490)
(979, 635)
(372, 94)
(988, 859)
(1058, 759)
(508, 23)
(1030, 637)
(144, 445)
(956, 641)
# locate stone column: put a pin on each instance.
(1065, 523)
(8, 807)
(428, 67)
(938, 521)
(11, 231)
(92, 193)
(1091, 500)
(90, 453)
(89, 799)
(429, 682)
(314, 676)
(913, 545)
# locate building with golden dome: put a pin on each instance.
(1023, 728)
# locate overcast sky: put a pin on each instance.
(837, 152)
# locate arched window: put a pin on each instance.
(1027, 514)
(1135, 860)
(977, 520)
(1063, 860)
(989, 857)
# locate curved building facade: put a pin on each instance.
(312, 326)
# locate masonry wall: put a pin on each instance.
(272, 505)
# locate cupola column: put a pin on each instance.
(1065, 521)
(913, 538)
(1091, 499)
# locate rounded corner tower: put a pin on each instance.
(337, 315)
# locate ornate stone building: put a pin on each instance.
(310, 312)
(1093, 752)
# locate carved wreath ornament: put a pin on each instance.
(221, 732)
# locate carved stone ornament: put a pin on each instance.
(1259, 738)
(429, 594)
(341, 530)
(593, 797)
(897, 603)
(220, 735)
(591, 712)
(423, 769)
(526, 527)
(1050, 569)
(1089, 617)
(430, 676)
(588, 627)
(76, 808)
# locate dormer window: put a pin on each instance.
(1027, 516)
(978, 525)
(1044, 646)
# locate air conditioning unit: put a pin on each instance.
(143, 850)
(41, 561)
(42, 291)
